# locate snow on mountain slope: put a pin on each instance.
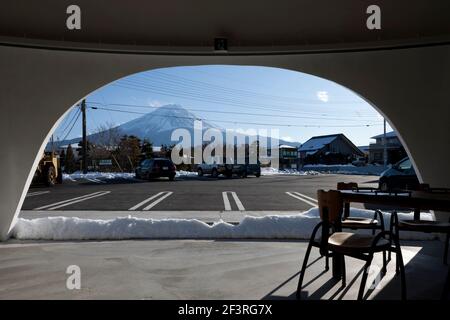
(157, 126)
(165, 118)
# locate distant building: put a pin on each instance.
(395, 149)
(365, 150)
(288, 157)
(328, 149)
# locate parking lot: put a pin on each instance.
(275, 193)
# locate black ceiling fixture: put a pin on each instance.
(220, 44)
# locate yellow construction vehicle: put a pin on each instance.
(48, 170)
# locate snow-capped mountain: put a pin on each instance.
(165, 118)
(157, 126)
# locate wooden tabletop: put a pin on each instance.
(412, 200)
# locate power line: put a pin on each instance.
(233, 112)
(242, 122)
(144, 88)
(73, 124)
(173, 81)
(69, 123)
(200, 84)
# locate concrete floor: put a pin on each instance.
(199, 269)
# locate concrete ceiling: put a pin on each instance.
(250, 25)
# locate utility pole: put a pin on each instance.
(53, 144)
(384, 145)
(84, 142)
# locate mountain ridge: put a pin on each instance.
(157, 126)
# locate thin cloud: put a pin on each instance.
(322, 96)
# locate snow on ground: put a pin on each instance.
(183, 173)
(273, 171)
(113, 175)
(346, 169)
(97, 175)
(297, 226)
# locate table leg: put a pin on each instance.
(346, 210)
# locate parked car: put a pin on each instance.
(156, 168)
(359, 162)
(215, 168)
(247, 169)
(400, 176)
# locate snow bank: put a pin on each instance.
(183, 173)
(97, 175)
(297, 226)
(346, 169)
(273, 171)
(114, 175)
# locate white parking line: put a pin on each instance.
(151, 205)
(154, 203)
(301, 199)
(226, 201)
(37, 193)
(67, 202)
(305, 196)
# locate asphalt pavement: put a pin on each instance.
(266, 193)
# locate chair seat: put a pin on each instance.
(359, 223)
(350, 242)
(424, 226)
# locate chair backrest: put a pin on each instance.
(347, 185)
(332, 200)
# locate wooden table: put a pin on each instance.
(417, 201)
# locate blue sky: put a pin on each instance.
(298, 104)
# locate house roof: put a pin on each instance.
(285, 146)
(318, 142)
(388, 135)
(363, 148)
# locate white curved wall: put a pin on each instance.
(409, 86)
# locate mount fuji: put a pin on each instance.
(157, 126)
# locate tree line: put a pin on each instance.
(111, 151)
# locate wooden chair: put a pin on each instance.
(348, 222)
(340, 244)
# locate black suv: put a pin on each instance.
(156, 168)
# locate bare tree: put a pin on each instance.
(108, 135)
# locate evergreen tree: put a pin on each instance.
(69, 160)
(147, 149)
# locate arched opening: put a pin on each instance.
(324, 132)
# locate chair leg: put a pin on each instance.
(397, 263)
(364, 277)
(401, 267)
(447, 239)
(344, 276)
(327, 262)
(302, 272)
(384, 270)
